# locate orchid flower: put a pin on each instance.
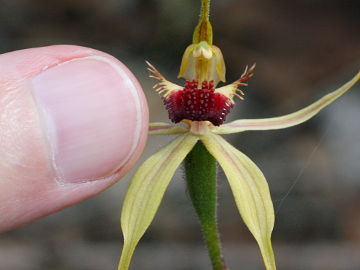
(201, 109)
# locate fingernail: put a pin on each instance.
(91, 113)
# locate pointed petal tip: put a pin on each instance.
(146, 191)
(287, 120)
(250, 190)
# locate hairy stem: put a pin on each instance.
(205, 9)
(200, 168)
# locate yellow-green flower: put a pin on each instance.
(202, 108)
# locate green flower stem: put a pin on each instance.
(205, 9)
(200, 168)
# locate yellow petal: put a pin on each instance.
(250, 190)
(146, 191)
(160, 128)
(288, 120)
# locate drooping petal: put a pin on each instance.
(160, 128)
(288, 120)
(250, 190)
(146, 191)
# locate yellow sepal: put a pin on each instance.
(203, 30)
(146, 191)
(250, 190)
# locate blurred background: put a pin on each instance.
(303, 49)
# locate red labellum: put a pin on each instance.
(197, 104)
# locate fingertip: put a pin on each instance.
(88, 123)
(92, 112)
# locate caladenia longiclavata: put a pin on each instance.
(201, 109)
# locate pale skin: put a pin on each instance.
(35, 179)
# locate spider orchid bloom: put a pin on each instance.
(202, 108)
(247, 182)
